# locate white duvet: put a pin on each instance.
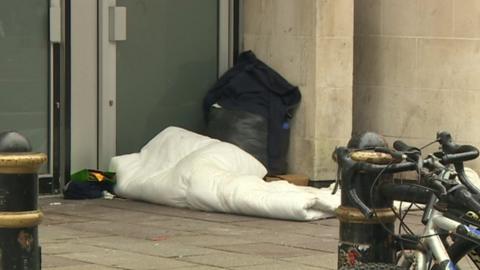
(184, 169)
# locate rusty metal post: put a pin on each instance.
(19, 214)
(364, 240)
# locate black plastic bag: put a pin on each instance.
(252, 86)
(243, 129)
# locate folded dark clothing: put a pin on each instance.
(86, 190)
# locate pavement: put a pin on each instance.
(124, 234)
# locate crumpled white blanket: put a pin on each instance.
(184, 169)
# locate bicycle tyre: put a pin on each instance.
(372, 266)
(461, 248)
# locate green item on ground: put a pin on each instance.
(93, 175)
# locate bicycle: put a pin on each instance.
(452, 207)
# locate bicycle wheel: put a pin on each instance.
(372, 266)
(465, 253)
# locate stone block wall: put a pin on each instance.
(334, 80)
(417, 66)
(310, 42)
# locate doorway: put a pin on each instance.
(157, 60)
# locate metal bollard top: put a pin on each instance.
(364, 143)
(367, 140)
(16, 155)
(14, 142)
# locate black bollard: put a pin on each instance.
(19, 214)
(362, 239)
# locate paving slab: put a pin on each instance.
(324, 260)
(162, 248)
(72, 246)
(201, 267)
(304, 228)
(331, 222)
(60, 218)
(199, 226)
(50, 261)
(99, 212)
(55, 233)
(266, 250)
(327, 245)
(83, 267)
(124, 228)
(126, 260)
(278, 266)
(228, 259)
(292, 239)
(206, 240)
(172, 211)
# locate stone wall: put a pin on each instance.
(310, 42)
(417, 66)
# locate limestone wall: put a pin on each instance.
(417, 69)
(310, 42)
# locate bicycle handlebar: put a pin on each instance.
(464, 197)
(452, 154)
(455, 153)
(460, 157)
(353, 196)
(406, 192)
(353, 167)
(403, 147)
(411, 152)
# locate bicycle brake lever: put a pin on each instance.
(337, 180)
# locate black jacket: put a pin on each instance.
(254, 87)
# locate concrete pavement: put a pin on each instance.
(124, 234)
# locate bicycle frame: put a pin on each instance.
(432, 242)
(437, 223)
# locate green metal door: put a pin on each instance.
(164, 68)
